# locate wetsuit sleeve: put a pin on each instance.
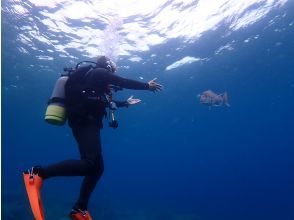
(127, 83)
(120, 104)
(105, 77)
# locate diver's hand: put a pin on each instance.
(132, 101)
(153, 86)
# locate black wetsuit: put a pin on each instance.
(85, 119)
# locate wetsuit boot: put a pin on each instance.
(78, 214)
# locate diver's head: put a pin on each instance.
(105, 62)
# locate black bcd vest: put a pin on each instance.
(84, 102)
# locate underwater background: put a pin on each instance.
(171, 158)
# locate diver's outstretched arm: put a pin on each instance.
(120, 104)
(127, 103)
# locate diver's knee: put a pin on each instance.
(94, 167)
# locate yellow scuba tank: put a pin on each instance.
(56, 111)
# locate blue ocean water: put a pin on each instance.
(171, 157)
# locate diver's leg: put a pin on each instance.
(90, 148)
(88, 138)
(88, 185)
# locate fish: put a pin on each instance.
(212, 99)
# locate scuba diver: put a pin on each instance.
(84, 95)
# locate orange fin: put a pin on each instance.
(33, 185)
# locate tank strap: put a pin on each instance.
(56, 99)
